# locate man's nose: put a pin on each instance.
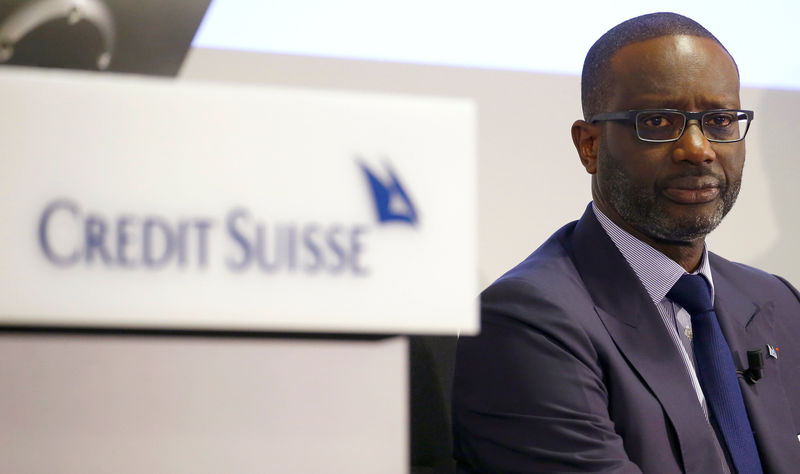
(693, 146)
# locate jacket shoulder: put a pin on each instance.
(752, 281)
(550, 261)
(544, 288)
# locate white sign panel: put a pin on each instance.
(140, 203)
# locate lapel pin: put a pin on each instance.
(773, 351)
(688, 333)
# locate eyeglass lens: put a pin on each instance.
(665, 126)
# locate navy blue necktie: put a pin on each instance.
(716, 372)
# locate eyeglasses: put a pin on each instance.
(668, 125)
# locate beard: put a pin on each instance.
(641, 208)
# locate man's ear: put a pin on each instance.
(585, 136)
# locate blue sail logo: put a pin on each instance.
(392, 202)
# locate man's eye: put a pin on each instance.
(720, 120)
(655, 121)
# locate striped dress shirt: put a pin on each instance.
(658, 273)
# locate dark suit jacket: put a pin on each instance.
(574, 370)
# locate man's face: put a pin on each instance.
(678, 191)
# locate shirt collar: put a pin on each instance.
(657, 272)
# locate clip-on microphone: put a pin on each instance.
(755, 362)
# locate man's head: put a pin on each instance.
(675, 191)
(597, 78)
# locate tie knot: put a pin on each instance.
(693, 293)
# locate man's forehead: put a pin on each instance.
(689, 52)
(675, 65)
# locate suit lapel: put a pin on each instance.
(749, 325)
(633, 322)
(738, 311)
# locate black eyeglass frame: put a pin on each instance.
(631, 116)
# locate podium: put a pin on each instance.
(201, 277)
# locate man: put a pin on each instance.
(594, 354)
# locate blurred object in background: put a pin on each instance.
(144, 36)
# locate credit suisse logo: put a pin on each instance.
(71, 235)
(392, 203)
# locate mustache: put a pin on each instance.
(696, 179)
